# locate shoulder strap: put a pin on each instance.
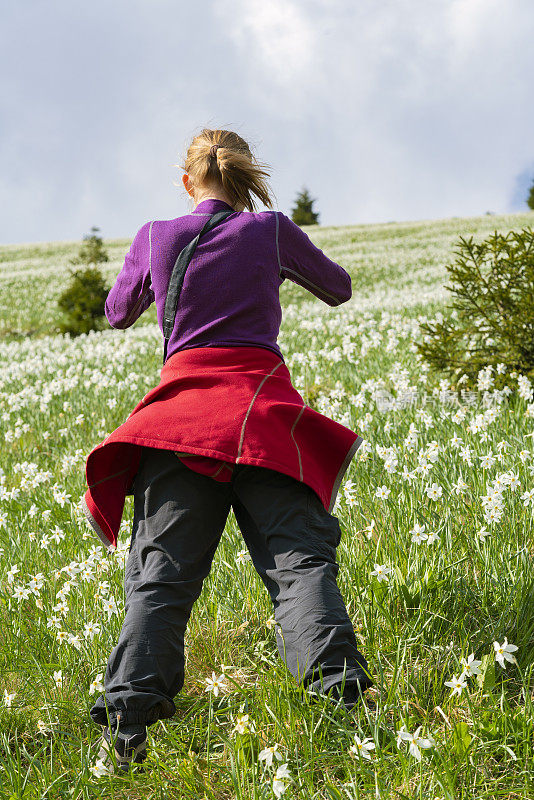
(177, 277)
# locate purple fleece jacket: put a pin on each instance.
(230, 292)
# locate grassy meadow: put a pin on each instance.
(436, 556)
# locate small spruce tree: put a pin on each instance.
(491, 324)
(302, 213)
(530, 198)
(82, 302)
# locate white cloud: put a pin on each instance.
(395, 109)
(276, 41)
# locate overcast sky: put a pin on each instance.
(390, 110)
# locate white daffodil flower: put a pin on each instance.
(418, 534)
(42, 727)
(434, 492)
(415, 741)
(382, 492)
(457, 684)
(361, 749)
(99, 768)
(242, 556)
(381, 571)
(269, 753)
(96, 685)
(417, 528)
(279, 780)
(471, 666)
(503, 651)
(215, 684)
(528, 497)
(243, 724)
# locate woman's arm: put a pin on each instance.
(304, 263)
(132, 293)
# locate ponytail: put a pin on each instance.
(230, 165)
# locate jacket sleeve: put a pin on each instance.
(305, 264)
(132, 292)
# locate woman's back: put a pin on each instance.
(230, 293)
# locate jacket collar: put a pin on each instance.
(211, 205)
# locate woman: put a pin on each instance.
(224, 429)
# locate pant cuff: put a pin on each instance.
(147, 717)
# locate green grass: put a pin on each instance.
(442, 602)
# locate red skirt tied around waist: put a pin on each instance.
(216, 407)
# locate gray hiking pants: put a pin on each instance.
(179, 518)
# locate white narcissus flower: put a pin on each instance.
(96, 685)
(12, 572)
(42, 727)
(361, 749)
(215, 684)
(269, 753)
(21, 593)
(457, 684)
(528, 497)
(434, 492)
(90, 630)
(243, 724)
(514, 481)
(58, 678)
(110, 605)
(381, 571)
(460, 487)
(487, 461)
(75, 641)
(99, 768)
(416, 742)
(8, 698)
(503, 651)
(417, 528)
(279, 780)
(418, 533)
(383, 492)
(471, 666)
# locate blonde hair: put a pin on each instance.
(233, 168)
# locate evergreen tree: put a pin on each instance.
(490, 324)
(82, 302)
(92, 250)
(530, 198)
(302, 213)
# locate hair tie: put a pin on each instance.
(213, 149)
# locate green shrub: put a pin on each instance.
(491, 323)
(82, 302)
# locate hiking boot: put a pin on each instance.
(127, 744)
